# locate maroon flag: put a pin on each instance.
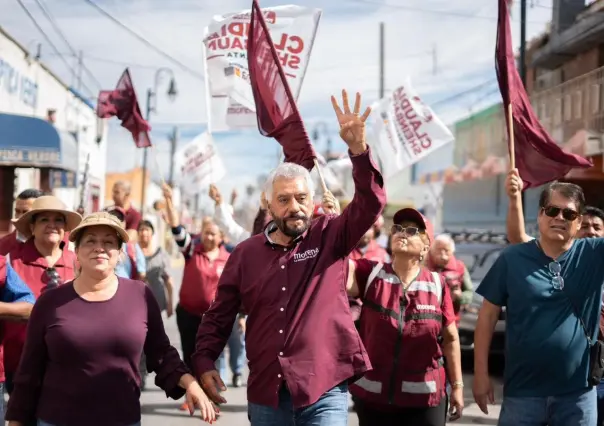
(539, 159)
(123, 104)
(276, 110)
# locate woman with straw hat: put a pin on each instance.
(85, 340)
(43, 261)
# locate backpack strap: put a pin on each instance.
(374, 272)
(439, 286)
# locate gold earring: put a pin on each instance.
(421, 257)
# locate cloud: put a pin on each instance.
(346, 54)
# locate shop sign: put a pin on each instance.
(17, 85)
(27, 156)
(62, 179)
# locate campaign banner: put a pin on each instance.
(199, 165)
(229, 96)
(406, 130)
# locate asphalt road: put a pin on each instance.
(159, 411)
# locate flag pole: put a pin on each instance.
(512, 144)
(161, 175)
(321, 178)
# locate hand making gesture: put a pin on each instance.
(352, 125)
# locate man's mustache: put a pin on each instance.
(297, 216)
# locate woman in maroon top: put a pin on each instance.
(406, 309)
(42, 261)
(85, 339)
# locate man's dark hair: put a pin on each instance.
(29, 194)
(115, 212)
(567, 190)
(594, 212)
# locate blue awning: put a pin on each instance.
(33, 142)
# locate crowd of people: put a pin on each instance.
(319, 303)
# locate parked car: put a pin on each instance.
(479, 254)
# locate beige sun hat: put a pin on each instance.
(100, 219)
(47, 203)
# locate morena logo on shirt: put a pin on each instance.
(308, 254)
(426, 307)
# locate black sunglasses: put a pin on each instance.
(567, 214)
(53, 279)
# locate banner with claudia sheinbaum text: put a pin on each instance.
(405, 130)
(199, 165)
(229, 95)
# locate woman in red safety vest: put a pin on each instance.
(408, 327)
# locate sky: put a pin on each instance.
(446, 47)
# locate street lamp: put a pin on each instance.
(152, 107)
(321, 127)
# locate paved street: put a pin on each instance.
(159, 411)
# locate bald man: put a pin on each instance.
(121, 198)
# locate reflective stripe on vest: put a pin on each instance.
(374, 386)
(427, 286)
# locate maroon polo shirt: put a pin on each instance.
(299, 329)
(132, 219)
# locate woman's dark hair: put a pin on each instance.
(567, 190)
(146, 224)
(115, 212)
(594, 212)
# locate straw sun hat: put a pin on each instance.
(100, 219)
(45, 204)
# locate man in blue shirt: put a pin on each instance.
(548, 286)
(16, 302)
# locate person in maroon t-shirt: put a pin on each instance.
(23, 204)
(121, 198)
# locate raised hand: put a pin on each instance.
(352, 125)
(214, 194)
(513, 184)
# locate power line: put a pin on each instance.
(144, 40)
(50, 43)
(56, 27)
(434, 11)
(117, 62)
(463, 93)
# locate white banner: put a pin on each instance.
(199, 165)
(406, 130)
(228, 90)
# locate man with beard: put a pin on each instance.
(291, 281)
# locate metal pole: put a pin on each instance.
(522, 65)
(173, 144)
(382, 58)
(144, 184)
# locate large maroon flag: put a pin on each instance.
(539, 159)
(276, 109)
(123, 104)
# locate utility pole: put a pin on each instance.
(80, 66)
(522, 65)
(382, 58)
(173, 145)
(150, 95)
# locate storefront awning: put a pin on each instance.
(33, 142)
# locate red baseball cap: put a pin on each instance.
(412, 215)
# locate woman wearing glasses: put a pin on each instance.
(44, 261)
(85, 340)
(406, 308)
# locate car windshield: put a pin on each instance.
(479, 262)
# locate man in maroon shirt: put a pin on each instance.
(121, 198)
(23, 204)
(302, 345)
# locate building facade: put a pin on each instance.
(565, 81)
(50, 137)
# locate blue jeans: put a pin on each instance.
(236, 344)
(330, 410)
(577, 409)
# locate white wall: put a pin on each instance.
(26, 88)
